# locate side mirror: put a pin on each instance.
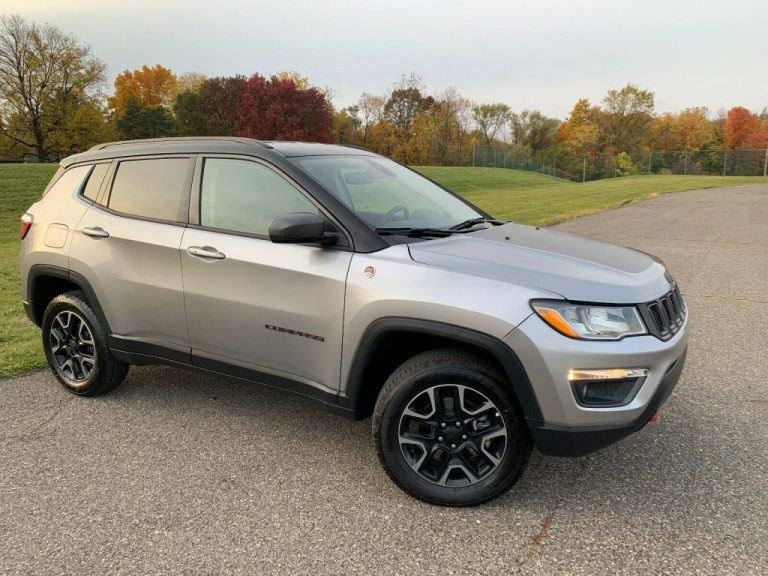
(300, 228)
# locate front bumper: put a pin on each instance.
(567, 428)
(581, 440)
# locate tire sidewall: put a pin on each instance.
(506, 473)
(73, 303)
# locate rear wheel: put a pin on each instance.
(447, 429)
(76, 347)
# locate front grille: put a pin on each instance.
(665, 316)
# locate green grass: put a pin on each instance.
(20, 186)
(509, 194)
(537, 199)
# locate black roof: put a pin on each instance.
(211, 144)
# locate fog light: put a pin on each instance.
(605, 388)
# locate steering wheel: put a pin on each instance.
(391, 214)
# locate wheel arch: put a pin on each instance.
(45, 282)
(387, 342)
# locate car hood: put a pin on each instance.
(574, 267)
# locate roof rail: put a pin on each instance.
(241, 140)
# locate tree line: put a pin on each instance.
(53, 103)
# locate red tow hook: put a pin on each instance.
(654, 417)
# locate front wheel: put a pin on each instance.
(447, 429)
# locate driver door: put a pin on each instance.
(252, 304)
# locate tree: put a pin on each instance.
(277, 109)
(581, 131)
(744, 129)
(155, 86)
(627, 119)
(694, 128)
(218, 102)
(345, 124)
(534, 130)
(451, 114)
(418, 147)
(384, 139)
(84, 124)
(403, 105)
(490, 120)
(690, 129)
(186, 110)
(138, 121)
(371, 111)
(664, 131)
(190, 82)
(301, 82)
(43, 71)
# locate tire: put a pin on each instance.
(483, 448)
(75, 345)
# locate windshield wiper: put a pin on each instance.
(415, 232)
(474, 221)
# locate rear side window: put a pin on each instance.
(70, 181)
(92, 186)
(151, 188)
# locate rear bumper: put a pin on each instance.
(581, 440)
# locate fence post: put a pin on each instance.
(474, 148)
(765, 164)
(725, 161)
(583, 170)
(554, 166)
(650, 162)
(685, 164)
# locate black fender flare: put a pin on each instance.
(38, 271)
(502, 353)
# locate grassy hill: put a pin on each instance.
(537, 199)
(508, 194)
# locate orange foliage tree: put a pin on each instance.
(744, 129)
(147, 87)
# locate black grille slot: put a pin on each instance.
(607, 393)
(665, 316)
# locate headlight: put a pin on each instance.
(590, 322)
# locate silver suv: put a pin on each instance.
(341, 275)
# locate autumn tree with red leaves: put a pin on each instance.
(278, 109)
(744, 129)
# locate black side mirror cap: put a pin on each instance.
(300, 228)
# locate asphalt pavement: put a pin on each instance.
(179, 473)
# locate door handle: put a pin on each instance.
(205, 252)
(96, 232)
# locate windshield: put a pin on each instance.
(386, 194)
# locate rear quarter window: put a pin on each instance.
(153, 188)
(93, 185)
(68, 181)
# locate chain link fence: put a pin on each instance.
(580, 168)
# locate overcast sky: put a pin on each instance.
(541, 54)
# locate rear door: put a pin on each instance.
(270, 308)
(127, 247)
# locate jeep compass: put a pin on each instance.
(338, 274)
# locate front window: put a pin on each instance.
(244, 196)
(386, 194)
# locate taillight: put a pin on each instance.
(26, 224)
